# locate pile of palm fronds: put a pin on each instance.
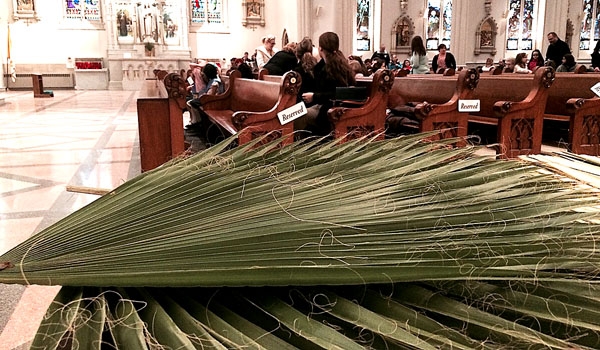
(391, 244)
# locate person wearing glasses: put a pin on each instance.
(266, 51)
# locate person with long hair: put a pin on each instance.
(418, 60)
(537, 60)
(596, 57)
(306, 66)
(332, 71)
(521, 64)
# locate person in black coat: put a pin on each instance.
(283, 61)
(446, 59)
(382, 55)
(596, 57)
(557, 49)
(333, 70)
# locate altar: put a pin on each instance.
(145, 35)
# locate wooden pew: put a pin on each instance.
(437, 97)
(249, 107)
(159, 108)
(584, 128)
(582, 131)
(368, 117)
(516, 106)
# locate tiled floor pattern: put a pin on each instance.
(79, 138)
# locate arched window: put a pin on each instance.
(82, 9)
(520, 22)
(439, 23)
(207, 12)
(590, 24)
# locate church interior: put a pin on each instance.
(95, 55)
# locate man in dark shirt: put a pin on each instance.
(382, 55)
(557, 49)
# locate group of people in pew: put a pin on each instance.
(558, 56)
(329, 68)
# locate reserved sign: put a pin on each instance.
(596, 89)
(292, 113)
(469, 105)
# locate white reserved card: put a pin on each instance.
(292, 113)
(469, 105)
(596, 89)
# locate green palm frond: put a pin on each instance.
(400, 243)
(374, 212)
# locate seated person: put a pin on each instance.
(489, 65)
(196, 75)
(509, 65)
(394, 63)
(521, 66)
(406, 65)
(214, 86)
(245, 69)
(443, 59)
(568, 64)
(283, 61)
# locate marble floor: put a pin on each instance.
(76, 138)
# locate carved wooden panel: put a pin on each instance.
(521, 134)
(590, 135)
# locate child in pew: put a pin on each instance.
(214, 86)
(521, 64)
(568, 64)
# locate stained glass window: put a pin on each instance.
(82, 9)
(439, 23)
(363, 25)
(520, 24)
(590, 24)
(207, 11)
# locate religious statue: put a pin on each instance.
(124, 23)
(253, 9)
(24, 5)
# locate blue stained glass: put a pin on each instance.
(447, 21)
(439, 22)
(207, 11)
(586, 20)
(597, 22)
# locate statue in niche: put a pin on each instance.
(486, 35)
(402, 33)
(124, 23)
(253, 9)
(169, 26)
(24, 5)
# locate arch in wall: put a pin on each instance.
(485, 36)
(402, 32)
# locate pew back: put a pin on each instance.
(249, 107)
